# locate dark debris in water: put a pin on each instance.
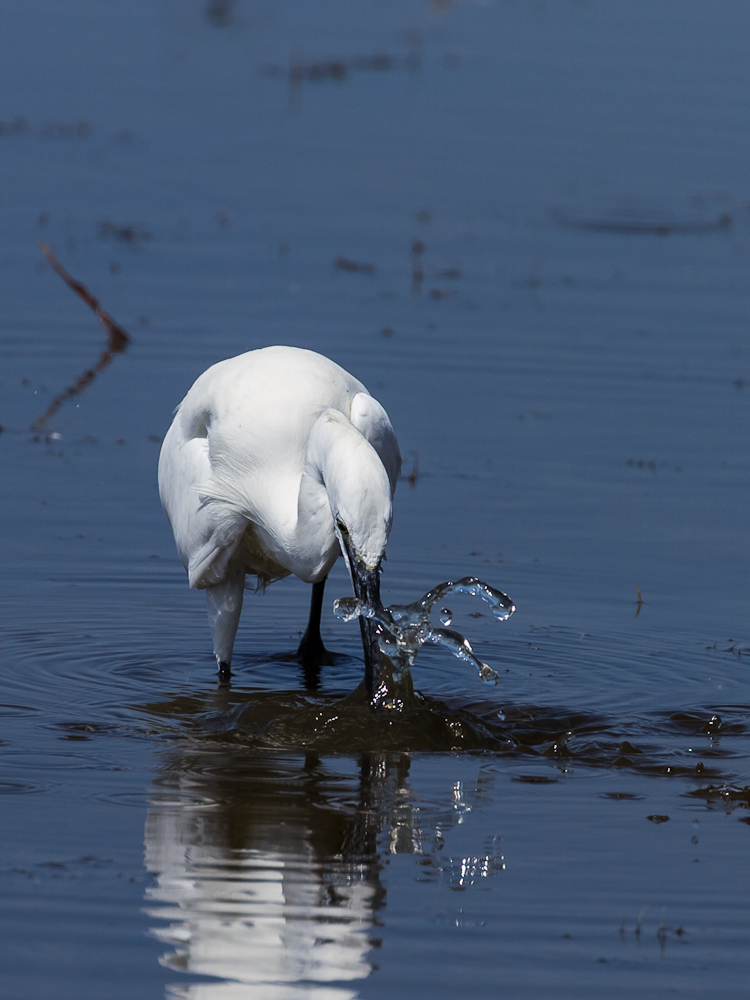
(632, 224)
(124, 233)
(338, 69)
(354, 266)
(622, 796)
(535, 779)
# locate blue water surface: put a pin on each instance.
(552, 199)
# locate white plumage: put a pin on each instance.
(276, 461)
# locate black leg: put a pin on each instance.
(311, 652)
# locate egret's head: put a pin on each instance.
(366, 584)
(362, 521)
(356, 485)
(362, 532)
(360, 501)
(365, 573)
(362, 511)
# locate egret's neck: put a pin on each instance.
(343, 478)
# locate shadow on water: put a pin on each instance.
(687, 744)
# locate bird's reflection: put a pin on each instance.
(268, 863)
(268, 867)
(271, 885)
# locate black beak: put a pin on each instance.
(367, 589)
(366, 583)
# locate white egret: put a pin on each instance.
(277, 462)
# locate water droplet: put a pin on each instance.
(487, 674)
(347, 608)
(713, 725)
(446, 616)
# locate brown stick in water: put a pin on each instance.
(117, 341)
(117, 336)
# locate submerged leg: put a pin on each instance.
(311, 651)
(224, 607)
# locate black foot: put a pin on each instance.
(312, 653)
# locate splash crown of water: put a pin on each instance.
(404, 628)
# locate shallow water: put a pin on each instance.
(526, 231)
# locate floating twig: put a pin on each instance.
(115, 333)
(117, 341)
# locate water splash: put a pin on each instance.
(404, 628)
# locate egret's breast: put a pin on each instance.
(253, 556)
